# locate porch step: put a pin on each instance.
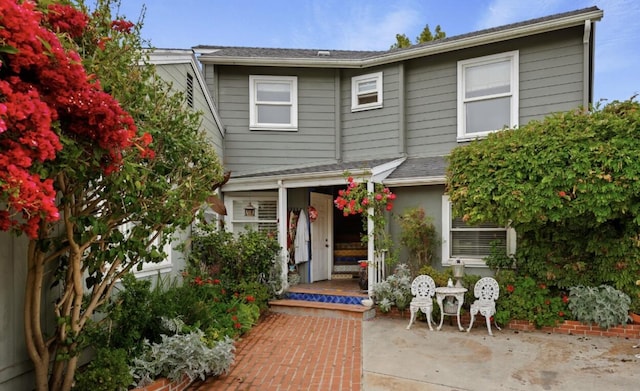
(320, 309)
(339, 301)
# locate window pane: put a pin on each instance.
(366, 86)
(488, 79)
(274, 114)
(476, 243)
(486, 115)
(367, 98)
(274, 92)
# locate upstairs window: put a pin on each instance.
(366, 92)
(273, 103)
(487, 95)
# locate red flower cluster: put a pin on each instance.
(510, 288)
(250, 299)
(121, 25)
(66, 19)
(356, 199)
(42, 83)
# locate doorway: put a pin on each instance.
(321, 237)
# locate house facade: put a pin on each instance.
(181, 69)
(295, 120)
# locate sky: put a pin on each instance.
(373, 24)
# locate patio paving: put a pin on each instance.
(291, 352)
(288, 352)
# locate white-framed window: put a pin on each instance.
(257, 212)
(487, 94)
(471, 243)
(366, 92)
(273, 103)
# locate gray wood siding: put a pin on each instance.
(550, 81)
(374, 132)
(176, 74)
(258, 150)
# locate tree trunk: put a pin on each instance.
(37, 347)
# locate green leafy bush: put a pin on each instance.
(523, 298)
(250, 256)
(419, 236)
(107, 371)
(439, 277)
(603, 305)
(569, 185)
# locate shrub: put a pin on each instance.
(569, 179)
(250, 256)
(524, 298)
(395, 290)
(603, 305)
(107, 371)
(183, 354)
(419, 236)
(439, 277)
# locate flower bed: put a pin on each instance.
(570, 327)
(163, 384)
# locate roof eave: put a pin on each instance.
(411, 53)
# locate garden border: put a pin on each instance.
(568, 327)
(164, 384)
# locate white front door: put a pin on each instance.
(321, 237)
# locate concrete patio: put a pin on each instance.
(418, 359)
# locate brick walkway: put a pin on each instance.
(287, 352)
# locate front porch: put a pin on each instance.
(339, 298)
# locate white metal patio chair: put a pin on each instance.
(423, 288)
(486, 291)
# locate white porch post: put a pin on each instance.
(282, 234)
(371, 272)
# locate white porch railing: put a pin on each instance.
(376, 271)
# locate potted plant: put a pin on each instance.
(363, 276)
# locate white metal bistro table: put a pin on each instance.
(456, 292)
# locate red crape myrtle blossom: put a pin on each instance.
(44, 87)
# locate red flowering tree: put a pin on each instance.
(99, 164)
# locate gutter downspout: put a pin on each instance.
(587, 91)
(282, 236)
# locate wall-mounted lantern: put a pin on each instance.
(249, 210)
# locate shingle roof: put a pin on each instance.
(354, 165)
(420, 167)
(255, 52)
(233, 52)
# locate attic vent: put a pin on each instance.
(324, 53)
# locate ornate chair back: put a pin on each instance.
(423, 287)
(487, 289)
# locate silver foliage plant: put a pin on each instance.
(395, 290)
(182, 354)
